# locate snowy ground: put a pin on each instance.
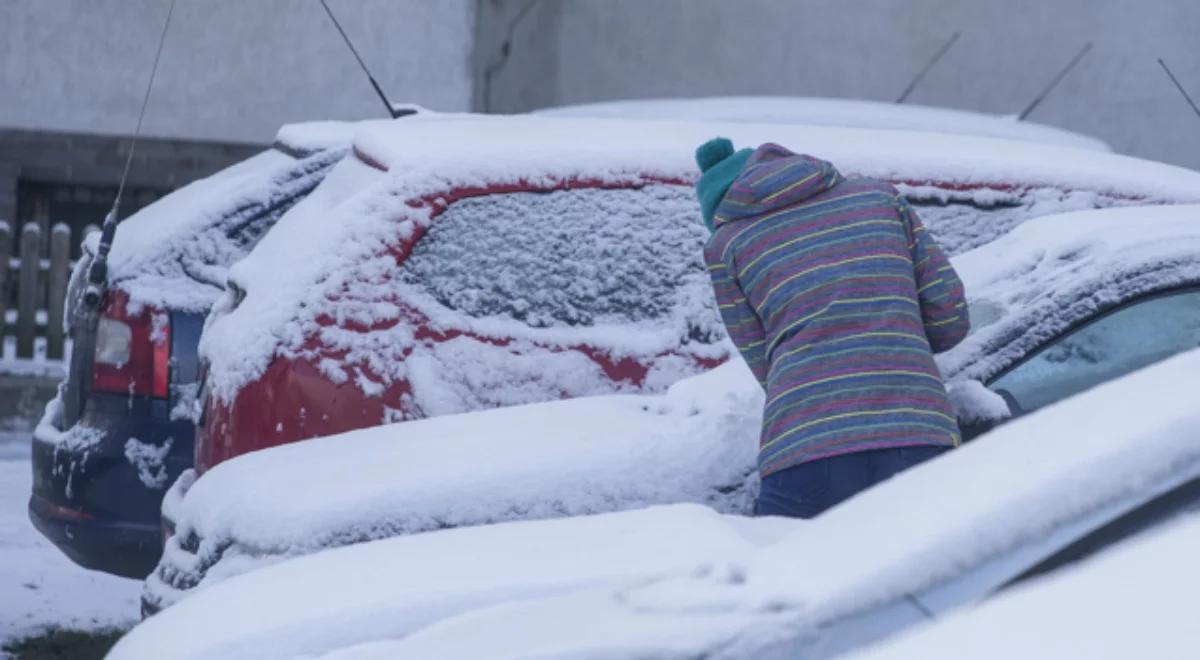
(39, 587)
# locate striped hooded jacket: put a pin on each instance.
(837, 297)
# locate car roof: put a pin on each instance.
(1053, 272)
(1118, 444)
(815, 111)
(461, 146)
(427, 157)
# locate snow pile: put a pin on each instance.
(1137, 601)
(340, 252)
(849, 113)
(697, 443)
(1046, 276)
(479, 590)
(976, 404)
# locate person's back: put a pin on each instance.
(837, 298)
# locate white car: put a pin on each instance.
(1137, 601)
(849, 113)
(1059, 305)
(684, 581)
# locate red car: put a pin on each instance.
(456, 263)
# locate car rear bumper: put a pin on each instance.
(128, 549)
(96, 495)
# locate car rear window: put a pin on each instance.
(960, 225)
(571, 258)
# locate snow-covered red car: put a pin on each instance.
(458, 263)
(816, 111)
(1061, 304)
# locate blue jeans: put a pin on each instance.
(808, 489)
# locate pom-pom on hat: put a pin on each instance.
(719, 165)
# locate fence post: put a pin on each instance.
(56, 289)
(27, 286)
(5, 263)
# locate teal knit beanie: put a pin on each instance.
(719, 167)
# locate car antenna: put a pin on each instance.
(937, 57)
(87, 321)
(1179, 86)
(392, 110)
(1054, 83)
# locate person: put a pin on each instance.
(837, 297)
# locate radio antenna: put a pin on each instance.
(392, 111)
(937, 57)
(87, 315)
(1054, 83)
(1179, 86)
(98, 272)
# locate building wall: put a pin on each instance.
(870, 49)
(232, 70)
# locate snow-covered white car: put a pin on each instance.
(1060, 304)
(1136, 601)
(847, 113)
(684, 581)
(457, 263)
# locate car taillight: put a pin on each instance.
(133, 350)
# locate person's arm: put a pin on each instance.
(741, 321)
(939, 290)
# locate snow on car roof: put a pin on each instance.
(1050, 273)
(173, 253)
(851, 113)
(325, 249)
(1119, 443)
(1136, 601)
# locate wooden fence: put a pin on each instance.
(33, 289)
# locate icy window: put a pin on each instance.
(1117, 344)
(960, 225)
(571, 258)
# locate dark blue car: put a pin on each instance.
(122, 427)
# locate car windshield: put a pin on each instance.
(1117, 343)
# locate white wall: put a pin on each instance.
(870, 49)
(231, 69)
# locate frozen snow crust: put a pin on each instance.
(849, 113)
(338, 248)
(681, 581)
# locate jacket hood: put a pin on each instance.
(774, 178)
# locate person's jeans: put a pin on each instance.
(805, 490)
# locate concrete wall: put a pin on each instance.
(870, 49)
(232, 70)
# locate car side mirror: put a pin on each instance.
(977, 408)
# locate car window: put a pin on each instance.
(579, 257)
(1118, 343)
(960, 224)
